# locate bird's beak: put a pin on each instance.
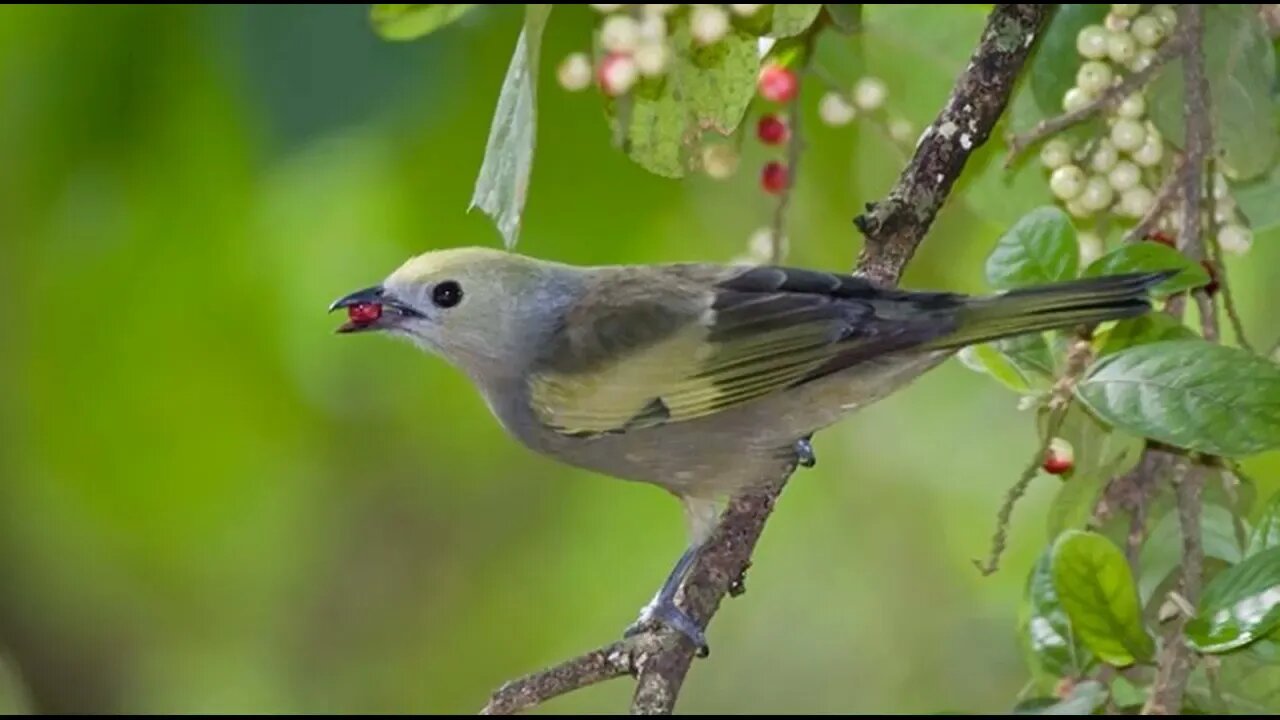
(374, 298)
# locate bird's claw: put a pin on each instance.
(804, 453)
(673, 617)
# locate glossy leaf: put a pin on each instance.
(1239, 606)
(1240, 65)
(791, 20)
(1046, 628)
(1150, 257)
(1266, 534)
(1097, 591)
(1149, 328)
(503, 183)
(410, 22)
(1191, 394)
(1039, 248)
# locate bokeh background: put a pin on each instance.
(211, 503)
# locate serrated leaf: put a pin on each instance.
(707, 90)
(1055, 62)
(1190, 394)
(1039, 248)
(1045, 626)
(410, 22)
(1149, 328)
(1256, 200)
(791, 20)
(1096, 589)
(1150, 257)
(1162, 552)
(503, 182)
(1240, 65)
(1266, 534)
(1100, 454)
(847, 18)
(1239, 606)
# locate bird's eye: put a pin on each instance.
(447, 294)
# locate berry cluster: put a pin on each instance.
(776, 84)
(1118, 172)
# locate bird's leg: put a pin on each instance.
(663, 606)
(804, 452)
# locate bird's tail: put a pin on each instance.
(1049, 307)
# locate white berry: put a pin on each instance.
(745, 10)
(1116, 23)
(1126, 10)
(900, 130)
(619, 33)
(1128, 135)
(760, 245)
(1103, 157)
(651, 59)
(1124, 175)
(1091, 42)
(1055, 153)
(1093, 77)
(719, 161)
(574, 72)
(1076, 99)
(1235, 239)
(1142, 60)
(1147, 30)
(1136, 201)
(870, 93)
(1077, 209)
(1097, 194)
(1132, 107)
(1167, 16)
(652, 29)
(1067, 182)
(1091, 248)
(1224, 211)
(1151, 151)
(1121, 47)
(607, 8)
(708, 24)
(835, 110)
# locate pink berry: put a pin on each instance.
(771, 130)
(364, 313)
(776, 83)
(775, 177)
(617, 73)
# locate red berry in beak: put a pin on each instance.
(364, 313)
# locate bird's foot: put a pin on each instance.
(804, 453)
(666, 613)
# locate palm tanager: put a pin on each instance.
(706, 380)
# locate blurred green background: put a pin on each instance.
(211, 503)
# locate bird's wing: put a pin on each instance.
(674, 343)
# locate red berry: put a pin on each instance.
(772, 131)
(364, 313)
(776, 83)
(775, 177)
(1163, 238)
(1212, 287)
(1060, 458)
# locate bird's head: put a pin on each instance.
(476, 307)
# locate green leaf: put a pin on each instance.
(1191, 394)
(1054, 65)
(707, 90)
(1150, 257)
(847, 18)
(1256, 199)
(1162, 552)
(1045, 628)
(1239, 606)
(1266, 534)
(1240, 65)
(1039, 248)
(503, 182)
(1096, 589)
(1149, 328)
(791, 20)
(1023, 364)
(1100, 454)
(410, 22)
(1125, 694)
(1083, 699)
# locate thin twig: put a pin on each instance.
(893, 228)
(597, 666)
(1228, 296)
(1230, 481)
(1164, 201)
(1108, 100)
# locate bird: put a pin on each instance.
(704, 379)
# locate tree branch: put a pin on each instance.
(894, 228)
